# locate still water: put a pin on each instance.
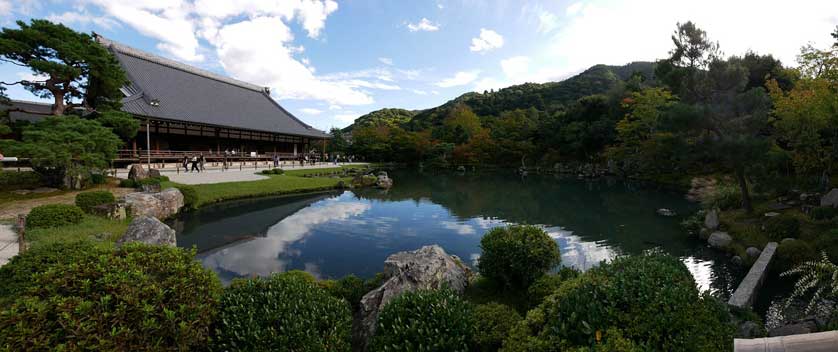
(335, 234)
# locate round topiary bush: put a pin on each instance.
(284, 312)
(54, 215)
(18, 274)
(516, 255)
(651, 299)
(780, 227)
(138, 297)
(492, 323)
(437, 320)
(87, 200)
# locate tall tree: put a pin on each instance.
(688, 61)
(68, 66)
(835, 35)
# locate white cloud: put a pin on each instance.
(386, 60)
(419, 92)
(311, 111)
(515, 66)
(574, 8)
(245, 55)
(82, 17)
(459, 79)
(547, 22)
(311, 14)
(347, 118)
(588, 38)
(460, 228)
(5, 6)
(424, 25)
(488, 40)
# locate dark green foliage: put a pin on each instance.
(548, 284)
(780, 227)
(824, 213)
(87, 200)
(18, 275)
(652, 299)
(383, 117)
(152, 181)
(435, 320)
(492, 323)
(67, 144)
(97, 179)
(351, 288)
(54, 215)
(13, 180)
(792, 253)
(515, 256)
(137, 297)
(128, 183)
(284, 312)
(276, 171)
(190, 196)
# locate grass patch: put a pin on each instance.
(330, 170)
(9, 196)
(88, 229)
(274, 185)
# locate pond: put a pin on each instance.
(335, 234)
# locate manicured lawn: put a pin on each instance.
(304, 172)
(89, 229)
(274, 185)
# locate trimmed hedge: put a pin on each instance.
(54, 215)
(18, 274)
(137, 297)
(492, 323)
(437, 320)
(13, 180)
(651, 299)
(86, 201)
(284, 312)
(276, 171)
(516, 256)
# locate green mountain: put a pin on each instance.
(549, 96)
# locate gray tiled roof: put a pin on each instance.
(186, 93)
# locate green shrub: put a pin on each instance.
(548, 284)
(87, 200)
(780, 227)
(824, 213)
(652, 299)
(517, 255)
(54, 215)
(726, 196)
(437, 320)
(137, 297)
(284, 312)
(97, 179)
(190, 196)
(792, 253)
(492, 323)
(276, 171)
(13, 180)
(351, 288)
(152, 181)
(18, 274)
(128, 183)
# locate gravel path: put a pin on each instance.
(10, 211)
(8, 243)
(215, 177)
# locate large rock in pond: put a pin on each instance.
(719, 240)
(426, 268)
(711, 220)
(160, 205)
(148, 230)
(753, 252)
(137, 173)
(384, 182)
(830, 199)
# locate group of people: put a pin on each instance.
(196, 161)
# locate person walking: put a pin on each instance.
(202, 160)
(195, 164)
(185, 163)
(276, 161)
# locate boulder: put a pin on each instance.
(719, 240)
(737, 260)
(711, 220)
(461, 168)
(666, 212)
(114, 211)
(148, 230)
(806, 326)
(137, 173)
(426, 268)
(153, 173)
(749, 330)
(830, 199)
(364, 181)
(753, 252)
(384, 182)
(160, 205)
(772, 214)
(382, 173)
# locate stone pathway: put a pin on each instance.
(8, 243)
(215, 175)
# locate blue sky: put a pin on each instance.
(331, 61)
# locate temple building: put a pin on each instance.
(187, 110)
